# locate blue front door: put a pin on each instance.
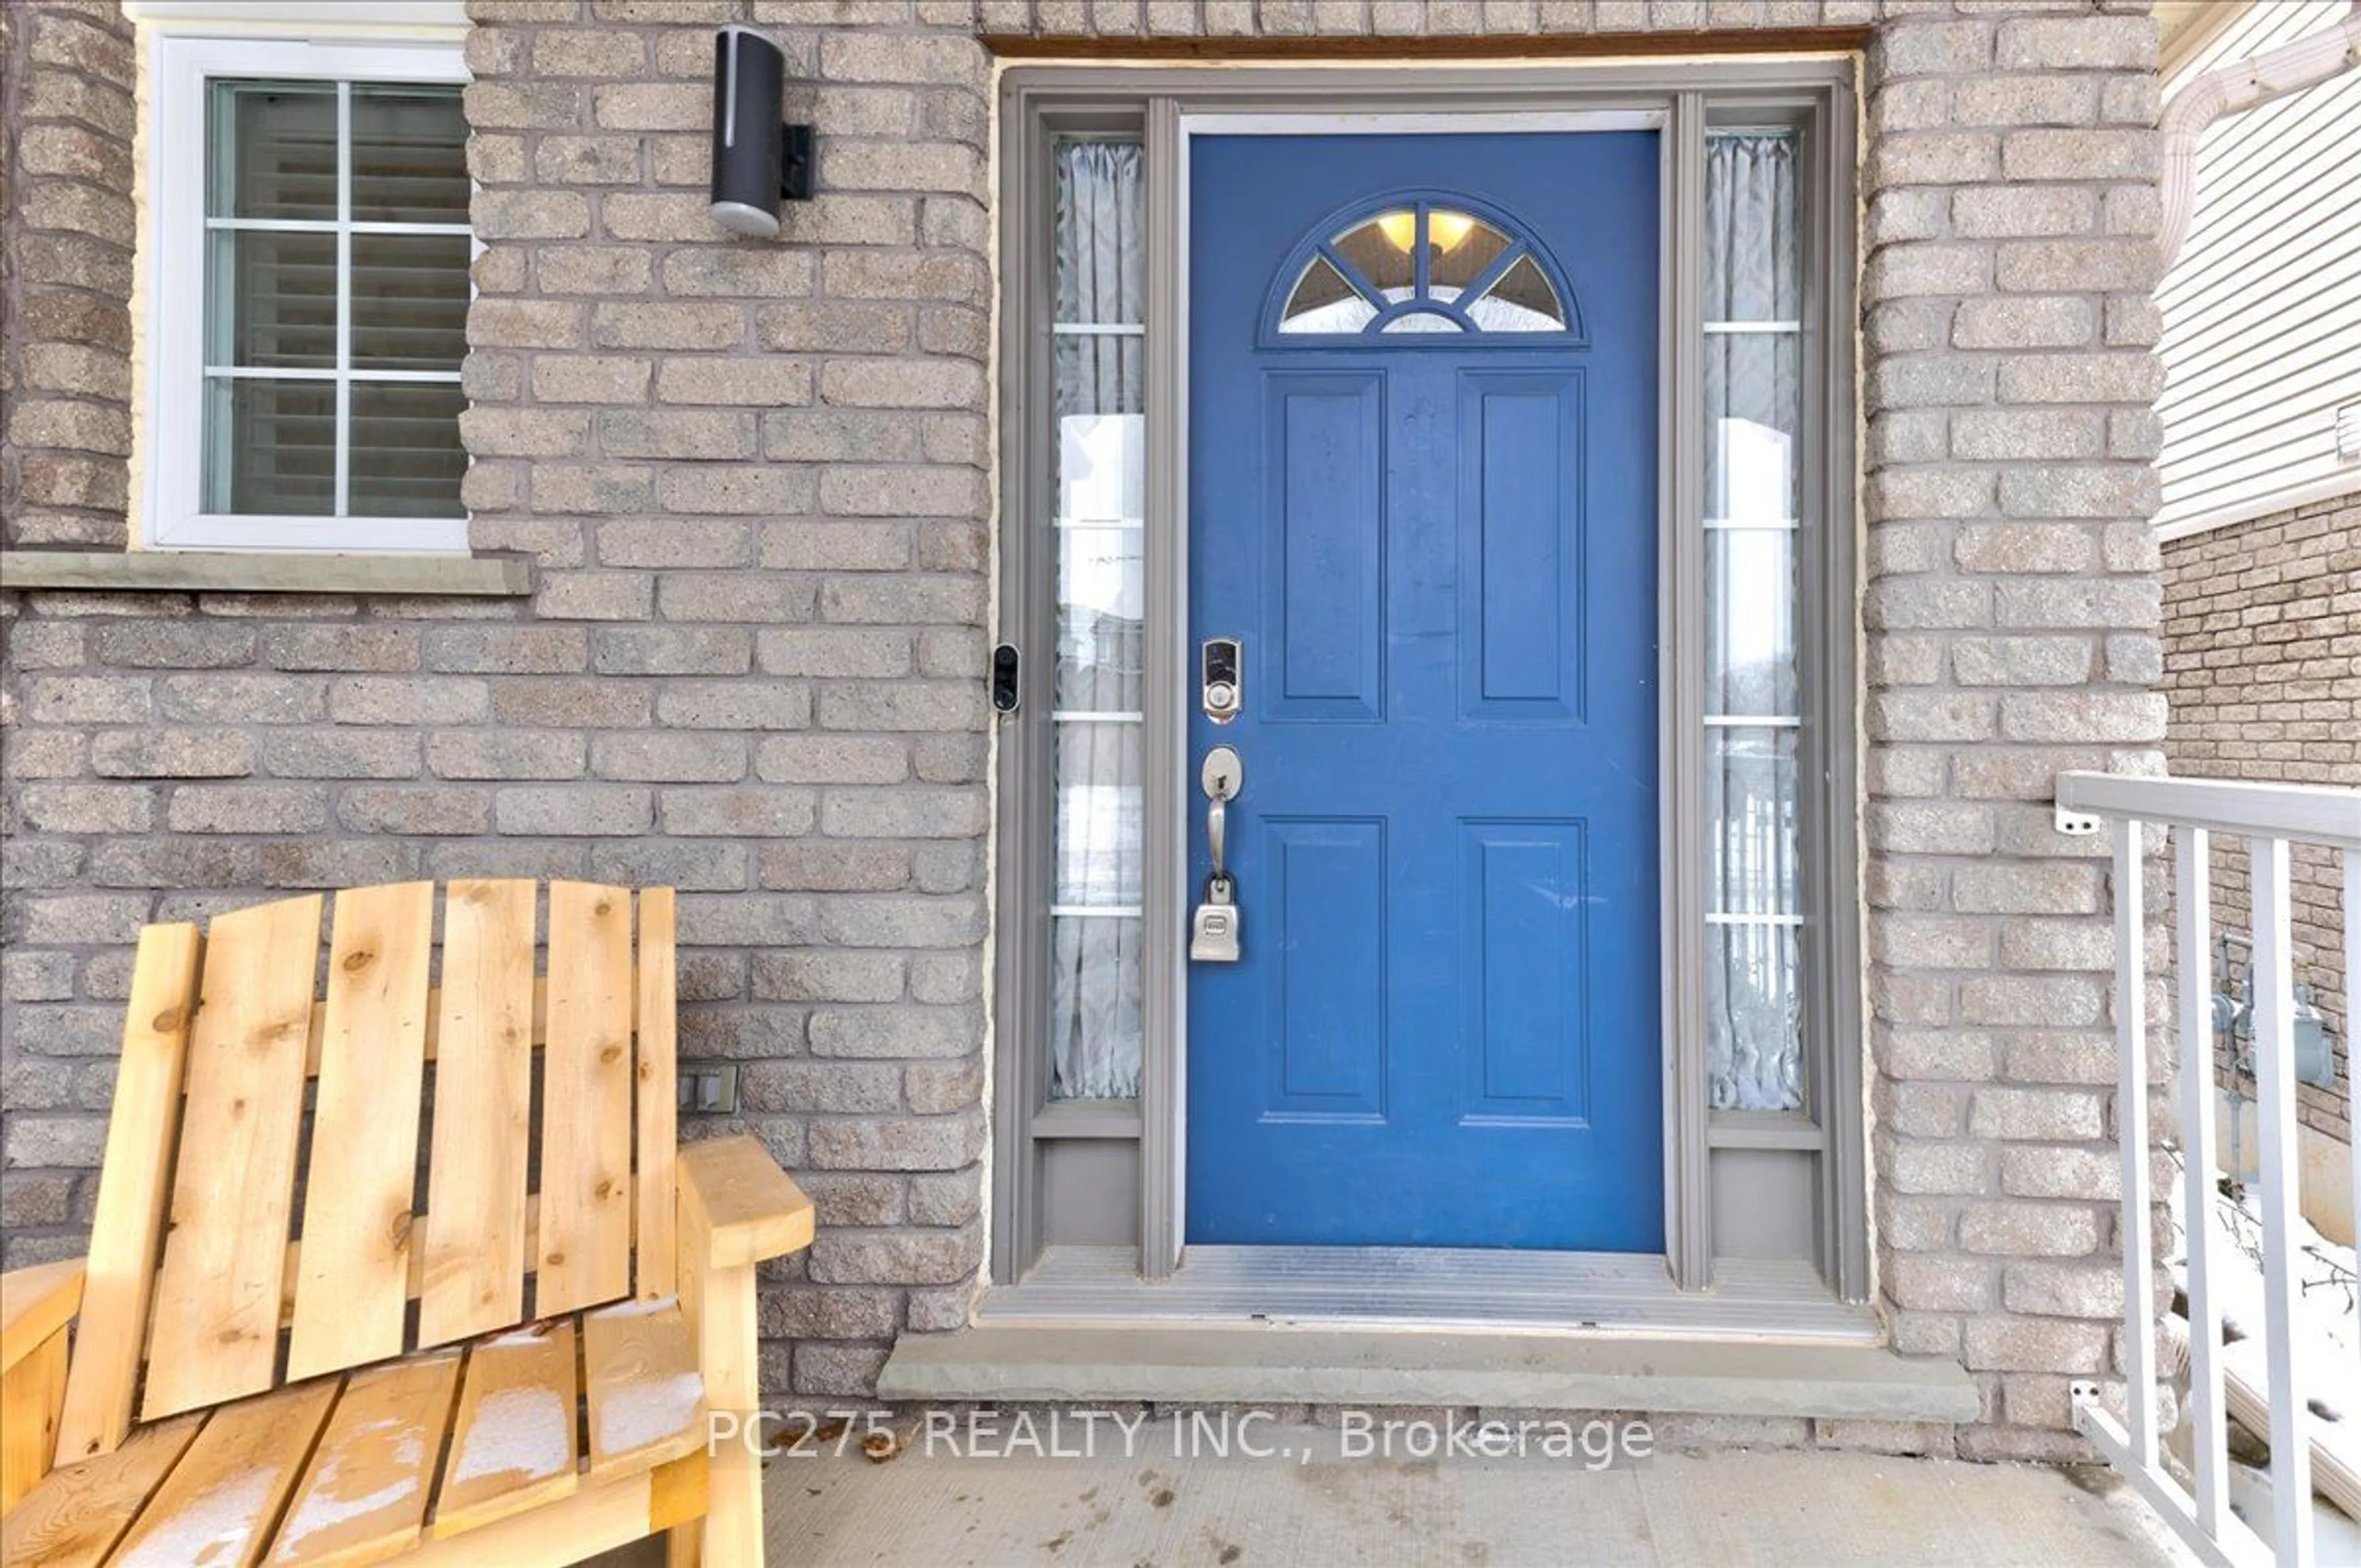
(1422, 500)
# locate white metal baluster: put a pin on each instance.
(2199, 1148)
(2131, 1132)
(2353, 1001)
(2273, 985)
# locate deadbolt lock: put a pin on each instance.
(1222, 679)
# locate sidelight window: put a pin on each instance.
(1754, 395)
(1098, 290)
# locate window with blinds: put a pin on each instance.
(336, 251)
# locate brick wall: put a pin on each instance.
(2262, 665)
(2012, 614)
(754, 479)
(66, 122)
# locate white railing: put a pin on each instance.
(2271, 817)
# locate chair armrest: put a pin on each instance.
(35, 1303)
(735, 1197)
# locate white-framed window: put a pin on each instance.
(306, 262)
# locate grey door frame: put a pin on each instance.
(1156, 105)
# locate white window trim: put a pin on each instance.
(441, 21)
(185, 43)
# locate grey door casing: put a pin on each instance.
(1753, 1183)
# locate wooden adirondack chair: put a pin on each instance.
(499, 1377)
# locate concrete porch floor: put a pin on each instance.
(1729, 1508)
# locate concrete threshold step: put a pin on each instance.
(1253, 1364)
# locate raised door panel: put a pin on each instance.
(1326, 906)
(1521, 546)
(1525, 971)
(1323, 573)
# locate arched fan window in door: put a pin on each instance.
(1428, 263)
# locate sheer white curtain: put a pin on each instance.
(1100, 280)
(1754, 374)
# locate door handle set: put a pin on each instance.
(1213, 930)
(1221, 692)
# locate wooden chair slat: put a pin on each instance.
(220, 1501)
(434, 1020)
(75, 1515)
(29, 1398)
(595, 1519)
(656, 1049)
(214, 1327)
(477, 1235)
(416, 1285)
(133, 1190)
(362, 1496)
(641, 1382)
(514, 1440)
(585, 1253)
(354, 1286)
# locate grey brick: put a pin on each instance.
(575, 811)
(677, 435)
(933, 1142)
(826, 1087)
(247, 808)
(340, 647)
(340, 754)
(172, 645)
(758, 812)
(2034, 322)
(674, 543)
(821, 867)
(506, 754)
(670, 757)
(2021, 661)
(908, 705)
(310, 862)
(171, 753)
(2086, 42)
(589, 702)
(164, 861)
(86, 699)
(833, 652)
(43, 754)
(741, 705)
(671, 862)
(86, 808)
(509, 649)
(747, 596)
(2028, 1230)
(595, 596)
(408, 700)
(427, 810)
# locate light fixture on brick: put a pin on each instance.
(758, 158)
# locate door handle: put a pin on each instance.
(1222, 776)
(1214, 932)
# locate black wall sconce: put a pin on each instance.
(758, 158)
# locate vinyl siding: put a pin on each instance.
(2262, 312)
